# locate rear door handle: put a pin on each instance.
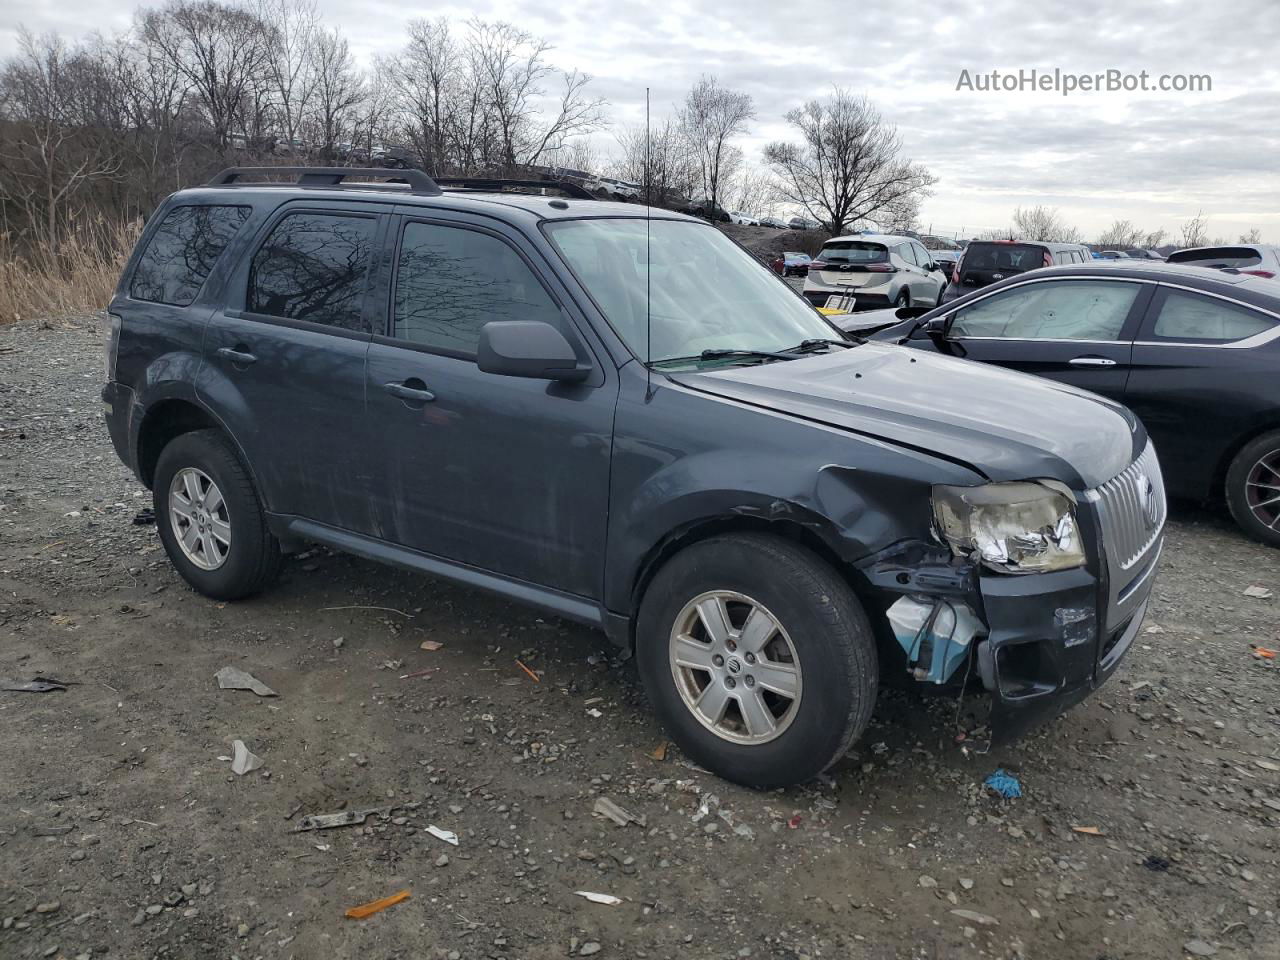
(237, 354)
(406, 392)
(1092, 362)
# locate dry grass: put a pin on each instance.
(77, 278)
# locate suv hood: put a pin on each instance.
(1001, 424)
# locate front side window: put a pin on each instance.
(1062, 310)
(450, 282)
(1185, 316)
(181, 253)
(672, 289)
(314, 267)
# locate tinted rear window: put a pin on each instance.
(181, 253)
(313, 267)
(1008, 257)
(854, 251)
(1219, 257)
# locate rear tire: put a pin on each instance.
(812, 638)
(201, 483)
(1253, 488)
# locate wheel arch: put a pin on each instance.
(1218, 486)
(170, 418)
(806, 535)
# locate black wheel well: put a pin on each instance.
(688, 535)
(1218, 489)
(167, 420)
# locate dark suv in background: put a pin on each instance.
(632, 423)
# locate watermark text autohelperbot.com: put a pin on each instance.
(1032, 80)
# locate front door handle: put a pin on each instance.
(413, 390)
(1092, 362)
(239, 354)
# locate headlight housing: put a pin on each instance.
(1027, 527)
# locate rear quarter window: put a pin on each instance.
(182, 251)
(1190, 317)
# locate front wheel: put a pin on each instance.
(904, 299)
(758, 658)
(1253, 488)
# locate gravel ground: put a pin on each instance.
(1148, 825)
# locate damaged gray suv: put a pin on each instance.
(631, 423)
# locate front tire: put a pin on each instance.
(1253, 488)
(904, 299)
(758, 658)
(210, 519)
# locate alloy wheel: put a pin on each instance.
(199, 518)
(1262, 490)
(735, 667)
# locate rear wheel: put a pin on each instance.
(210, 520)
(758, 658)
(1253, 488)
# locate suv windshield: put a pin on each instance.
(853, 251)
(698, 289)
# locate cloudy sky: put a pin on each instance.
(1155, 158)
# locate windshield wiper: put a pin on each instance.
(728, 354)
(813, 343)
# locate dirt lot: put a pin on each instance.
(124, 833)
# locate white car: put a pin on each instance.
(614, 189)
(876, 269)
(742, 219)
(1258, 259)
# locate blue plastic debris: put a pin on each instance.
(1005, 784)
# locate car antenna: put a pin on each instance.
(648, 212)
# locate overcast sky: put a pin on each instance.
(1155, 158)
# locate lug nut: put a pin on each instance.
(751, 681)
(731, 644)
(750, 658)
(718, 660)
(730, 682)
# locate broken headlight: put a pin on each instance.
(1024, 527)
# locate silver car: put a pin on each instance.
(878, 270)
(1258, 259)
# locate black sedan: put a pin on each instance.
(1194, 352)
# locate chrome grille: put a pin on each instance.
(1132, 509)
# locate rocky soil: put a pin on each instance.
(1149, 824)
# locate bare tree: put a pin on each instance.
(338, 94)
(1253, 236)
(49, 152)
(754, 192)
(660, 160)
(426, 76)
(1195, 232)
(291, 38)
(848, 166)
(710, 118)
(1043, 223)
(223, 51)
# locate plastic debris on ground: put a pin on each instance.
(448, 836)
(1266, 653)
(1257, 592)
(1089, 831)
(710, 802)
(431, 645)
(981, 919)
(347, 818)
(607, 899)
(604, 807)
(1005, 784)
(377, 906)
(242, 760)
(35, 685)
(232, 678)
(144, 517)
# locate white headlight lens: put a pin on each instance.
(1011, 527)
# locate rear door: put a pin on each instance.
(1205, 372)
(1077, 330)
(284, 360)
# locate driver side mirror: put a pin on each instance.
(528, 348)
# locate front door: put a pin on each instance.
(284, 362)
(506, 474)
(1074, 330)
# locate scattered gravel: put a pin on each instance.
(123, 834)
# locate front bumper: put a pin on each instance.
(1040, 643)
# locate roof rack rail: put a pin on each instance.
(418, 181)
(499, 185)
